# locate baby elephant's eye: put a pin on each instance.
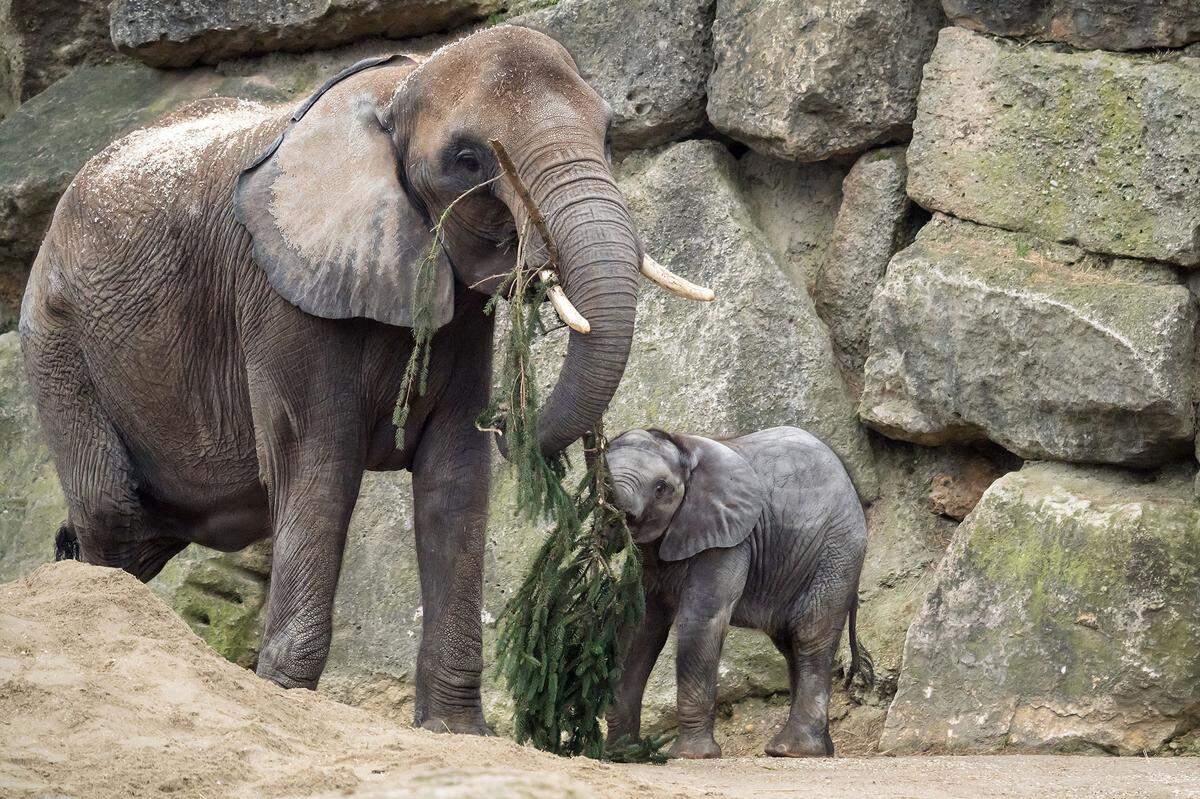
(661, 489)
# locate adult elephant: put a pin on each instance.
(218, 320)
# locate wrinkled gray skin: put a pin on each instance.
(764, 531)
(216, 345)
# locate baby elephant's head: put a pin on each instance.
(693, 493)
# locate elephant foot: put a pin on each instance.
(695, 747)
(465, 724)
(800, 743)
(282, 678)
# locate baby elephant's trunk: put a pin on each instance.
(860, 659)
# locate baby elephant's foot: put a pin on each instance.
(695, 747)
(792, 742)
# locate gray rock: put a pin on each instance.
(1097, 149)
(1048, 351)
(796, 206)
(222, 596)
(1087, 24)
(1064, 619)
(41, 40)
(872, 225)
(907, 540)
(31, 502)
(808, 81)
(187, 32)
(649, 59)
(377, 610)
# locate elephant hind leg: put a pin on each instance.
(106, 524)
(806, 731)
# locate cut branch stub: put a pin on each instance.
(554, 292)
(535, 213)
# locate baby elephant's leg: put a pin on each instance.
(806, 732)
(642, 646)
(714, 584)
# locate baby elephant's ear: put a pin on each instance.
(722, 501)
(328, 215)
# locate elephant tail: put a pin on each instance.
(66, 543)
(860, 659)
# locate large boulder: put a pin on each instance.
(1049, 351)
(183, 33)
(1066, 617)
(1097, 149)
(222, 596)
(808, 81)
(41, 40)
(1085, 24)
(650, 61)
(872, 224)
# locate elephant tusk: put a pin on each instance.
(673, 283)
(562, 306)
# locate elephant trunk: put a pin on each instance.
(599, 253)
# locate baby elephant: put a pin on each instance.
(763, 531)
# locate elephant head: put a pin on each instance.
(341, 210)
(688, 493)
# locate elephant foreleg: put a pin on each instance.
(312, 501)
(642, 646)
(714, 584)
(451, 474)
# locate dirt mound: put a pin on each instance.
(105, 692)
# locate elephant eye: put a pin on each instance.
(468, 161)
(660, 489)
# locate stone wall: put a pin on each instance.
(947, 238)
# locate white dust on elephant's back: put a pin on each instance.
(171, 152)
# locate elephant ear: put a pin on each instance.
(328, 214)
(722, 501)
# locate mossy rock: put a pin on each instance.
(980, 334)
(31, 502)
(1065, 618)
(1094, 148)
(221, 595)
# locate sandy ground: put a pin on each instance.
(104, 692)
